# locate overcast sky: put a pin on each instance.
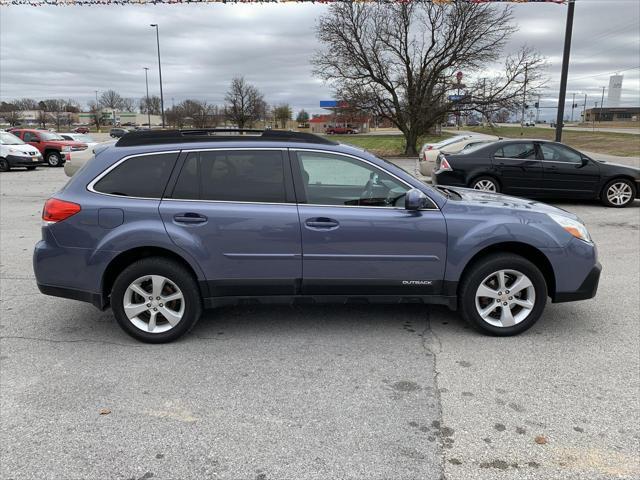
(73, 51)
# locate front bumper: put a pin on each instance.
(24, 161)
(587, 289)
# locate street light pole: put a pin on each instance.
(146, 79)
(159, 72)
(573, 105)
(565, 69)
(601, 104)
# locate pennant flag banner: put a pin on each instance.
(68, 3)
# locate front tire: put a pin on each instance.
(485, 184)
(54, 159)
(502, 295)
(156, 300)
(618, 193)
(4, 165)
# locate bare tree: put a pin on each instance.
(397, 60)
(96, 112)
(152, 106)
(128, 105)
(24, 104)
(111, 99)
(11, 113)
(175, 116)
(244, 103)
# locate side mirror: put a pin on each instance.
(585, 160)
(414, 199)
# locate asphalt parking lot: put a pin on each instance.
(317, 392)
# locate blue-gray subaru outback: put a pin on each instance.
(164, 223)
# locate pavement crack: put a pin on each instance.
(81, 340)
(429, 350)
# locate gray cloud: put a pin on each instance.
(73, 51)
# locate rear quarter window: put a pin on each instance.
(144, 176)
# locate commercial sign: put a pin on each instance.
(615, 89)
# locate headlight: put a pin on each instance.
(574, 227)
(66, 148)
(18, 152)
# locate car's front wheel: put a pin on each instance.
(502, 294)
(156, 300)
(619, 193)
(4, 165)
(54, 159)
(486, 184)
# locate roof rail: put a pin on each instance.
(152, 137)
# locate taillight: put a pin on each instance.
(56, 210)
(444, 165)
(430, 147)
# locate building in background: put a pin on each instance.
(610, 114)
(342, 115)
(124, 119)
(615, 89)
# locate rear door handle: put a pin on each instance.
(322, 223)
(189, 217)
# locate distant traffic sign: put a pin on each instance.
(455, 98)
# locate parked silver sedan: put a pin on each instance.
(77, 159)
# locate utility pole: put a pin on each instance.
(584, 109)
(524, 94)
(601, 106)
(573, 105)
(538, 110)
(146, 79)
(159, 72)
(593, 118)
(565, 69)
(98, 112)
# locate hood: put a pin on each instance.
(25, 148)
(604, 165)
(480, 198)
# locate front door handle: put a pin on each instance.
(322, 223)
(189, 217)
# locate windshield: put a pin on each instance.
(7, 138)
(50, 136)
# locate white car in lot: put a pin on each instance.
(80, 137)
(16, 153)
(457, 144)
(77, 159)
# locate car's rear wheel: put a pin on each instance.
(4, 165)
(156, 300)
(486, 184)
(54, 159)
(503, 295)
(618, 193)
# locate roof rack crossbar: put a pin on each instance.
(192, 135)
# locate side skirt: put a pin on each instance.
(214, 302)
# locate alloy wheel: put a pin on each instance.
(619, 193)
(154, 304)
(505, 298)
(53, 159)
(485, 185)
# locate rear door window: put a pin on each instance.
(144, 176)
(255, 176)
(524, 150)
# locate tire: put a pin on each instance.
(618, 193)
(486, 184)
(177, 281)
(4, 165)
(54, 159)
(31, 168)
(485, 273)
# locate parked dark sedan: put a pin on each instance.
(537, 168)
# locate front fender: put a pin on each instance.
(470, 234)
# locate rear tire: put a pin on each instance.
(618, 193)
(147, 318)
(502, 306)
(485, 184)
(4, 165)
